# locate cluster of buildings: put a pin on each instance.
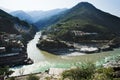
(81, 33)
(12, 50)
(80, 41)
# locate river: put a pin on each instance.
(43, 60)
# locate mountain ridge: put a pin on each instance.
(79, 27)
(13, 25)
(39, 15)
(22, 15)
(83, 17)
(86, 12)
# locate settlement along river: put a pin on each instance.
(43, 60)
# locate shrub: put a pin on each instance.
(11, 78)
(109, 72)
(116, 79)
(103, 74)
(32, 77)
(5, 71)
(48, 78)
(80, 73)
(100, 76)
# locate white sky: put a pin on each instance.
(37, 4)
(111, 6)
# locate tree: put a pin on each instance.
(109, 72)
(103, 74)
(79, 73)
(5, 71)
(100, 76)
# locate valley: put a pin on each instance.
(44, 60)
(57, 41)
(76, 30)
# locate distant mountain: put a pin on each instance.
(90, 19)
(50, 16)
(40, 15)
(13, 25)
(6, 10)
(34, 16)
(84, 16)
(22, 16)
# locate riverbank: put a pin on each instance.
(61, 47)
(52, 74)
(13, 50)
(55, 47)
(57, 73)
(76, 40)
(44, 60)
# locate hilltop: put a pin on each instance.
(83, 17)
(81, 25)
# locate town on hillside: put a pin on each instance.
(78, 41)
(12, 50)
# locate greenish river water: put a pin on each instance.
(43, 60)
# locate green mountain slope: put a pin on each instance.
(89, 18)
(83, 17)
(13, 25)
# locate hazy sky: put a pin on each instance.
(111, 6)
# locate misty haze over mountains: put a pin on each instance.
(22, 15)
(38, 15)
(58, 39)
(34, 16)
(83, 12)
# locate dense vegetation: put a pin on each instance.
(84, 72)
(90, 72)
(83, 17)
(13, 25)
(4, 71)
